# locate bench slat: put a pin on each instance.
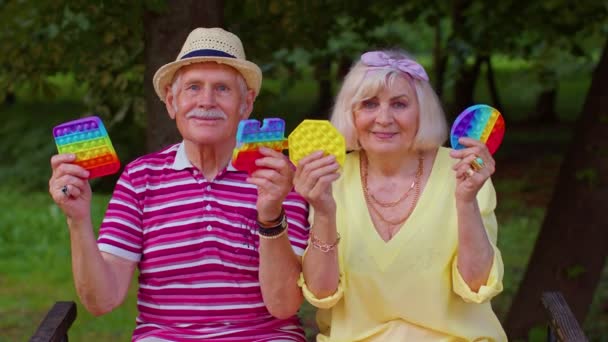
(561, 319)
(58, 320)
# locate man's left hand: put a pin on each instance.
(274, 180)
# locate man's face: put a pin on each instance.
(208, 103)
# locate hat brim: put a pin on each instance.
(250, 71)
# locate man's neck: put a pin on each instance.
(209, 159)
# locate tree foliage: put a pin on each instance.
(100, 43)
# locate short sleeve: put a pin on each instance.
(296, 210)
(121, 231)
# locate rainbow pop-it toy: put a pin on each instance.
(315, 135)
(250, 137)
(88, 139)
(480, 122)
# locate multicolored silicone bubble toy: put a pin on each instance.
(88, 139)
(480, 122)
(315, 135)
(309, 136)
(250, 137)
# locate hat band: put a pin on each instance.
(207, 53)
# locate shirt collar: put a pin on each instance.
(182, 162)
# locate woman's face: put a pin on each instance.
(388, 121)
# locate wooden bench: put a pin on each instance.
(55, 326)
(563, 326)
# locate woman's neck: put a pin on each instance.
(391, 165)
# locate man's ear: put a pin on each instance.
(169, 103)
(249, 99)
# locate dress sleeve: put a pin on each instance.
(321, 303)
(487, 203)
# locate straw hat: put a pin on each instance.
(210, 45)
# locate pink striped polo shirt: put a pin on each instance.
(197, 247)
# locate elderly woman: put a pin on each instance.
(403, 238)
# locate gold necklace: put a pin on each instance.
(416, 185)
(392, 204)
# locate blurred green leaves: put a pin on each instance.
(98, 42)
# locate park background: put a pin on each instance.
(543, 64)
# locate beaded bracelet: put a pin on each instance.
(321, 245)
(272, 237)
(268, 232)
(269, 224)
(276, 230)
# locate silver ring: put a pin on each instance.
(65, 191)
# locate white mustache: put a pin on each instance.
(206, 114)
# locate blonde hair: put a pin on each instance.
(360, 85)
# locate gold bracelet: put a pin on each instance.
(274, 236)
(322, 245)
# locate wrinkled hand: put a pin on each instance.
(76, 201)
(274, 181)
(469, 181)
(313, 179)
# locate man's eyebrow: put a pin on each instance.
(192, 80)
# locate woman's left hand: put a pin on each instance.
(475, 166)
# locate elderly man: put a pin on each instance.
(218, 250)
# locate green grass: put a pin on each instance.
(35, 271)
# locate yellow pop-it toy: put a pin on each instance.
(315, 135)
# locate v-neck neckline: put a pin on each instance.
(384, 252)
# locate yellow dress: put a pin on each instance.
(409, 288)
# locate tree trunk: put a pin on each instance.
(10, 98)
(464, 88)
(571, 249)
(343, 68)
(164, 35)
(492, 84)
(324, 93)
(440, 60)
(545, 106)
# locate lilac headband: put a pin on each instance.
(379, 60)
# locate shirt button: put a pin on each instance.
(209, 228)
(208, 207)
(208, 187)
